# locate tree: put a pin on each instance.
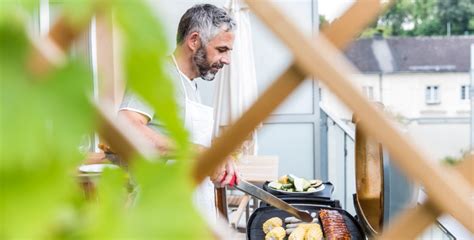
(458, 13)
(426, 18)
(397, 17)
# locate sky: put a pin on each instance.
(333, 8)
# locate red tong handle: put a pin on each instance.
(233, 181)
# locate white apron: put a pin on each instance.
(199, 121)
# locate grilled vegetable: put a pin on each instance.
(292, 183)
(304, 231)
(275, 185)
(271, 224)
(315, 183)
(307, 226)
(283, 179)
(313, 232)
(277, 233)
(299, 184)
(297, 234)
(306, 184)
(291, 178)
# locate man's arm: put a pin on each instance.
(140, 121)
(220, 178)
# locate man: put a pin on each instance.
(204, 41)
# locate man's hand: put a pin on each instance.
(225, 174)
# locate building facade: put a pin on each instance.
(423, 83)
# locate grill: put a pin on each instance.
(381, 192)
(262, 214)
(311, 202)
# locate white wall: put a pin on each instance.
(405, 94)
(442, 129)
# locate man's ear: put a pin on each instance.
(193, 41)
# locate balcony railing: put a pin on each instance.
(337, 155)
(338, 161)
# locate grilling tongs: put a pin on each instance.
(255, 191)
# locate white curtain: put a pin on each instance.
(236, 85)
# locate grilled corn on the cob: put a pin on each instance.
(272, 223)
(313, 232)
(297, 234)
(277, 233)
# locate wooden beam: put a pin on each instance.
(411, 223)
(105, 56)
(334, 70)
(351, 23)
(236, 134)
(50, 50)
(111, 84)
(425, 214)
(345, 28)
(124, 139)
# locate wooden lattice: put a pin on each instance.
(320, 59)
(449, 191)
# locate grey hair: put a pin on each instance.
(206, 19)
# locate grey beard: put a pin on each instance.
(200, 59)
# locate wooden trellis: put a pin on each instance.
(448, 191)
(320, 59)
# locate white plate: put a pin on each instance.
(318, 189)
(96, 168)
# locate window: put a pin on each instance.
(432, 95)
(464, 92)
(368, 92)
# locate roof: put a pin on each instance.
(411, 54)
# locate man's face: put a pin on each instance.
(210, 58)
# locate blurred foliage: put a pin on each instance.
(44, 120)
(323, 22)
(450, 160)
(425, 18)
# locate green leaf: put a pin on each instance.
(144, 60)
(107, 219)
(42, 125)
(164, 207)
